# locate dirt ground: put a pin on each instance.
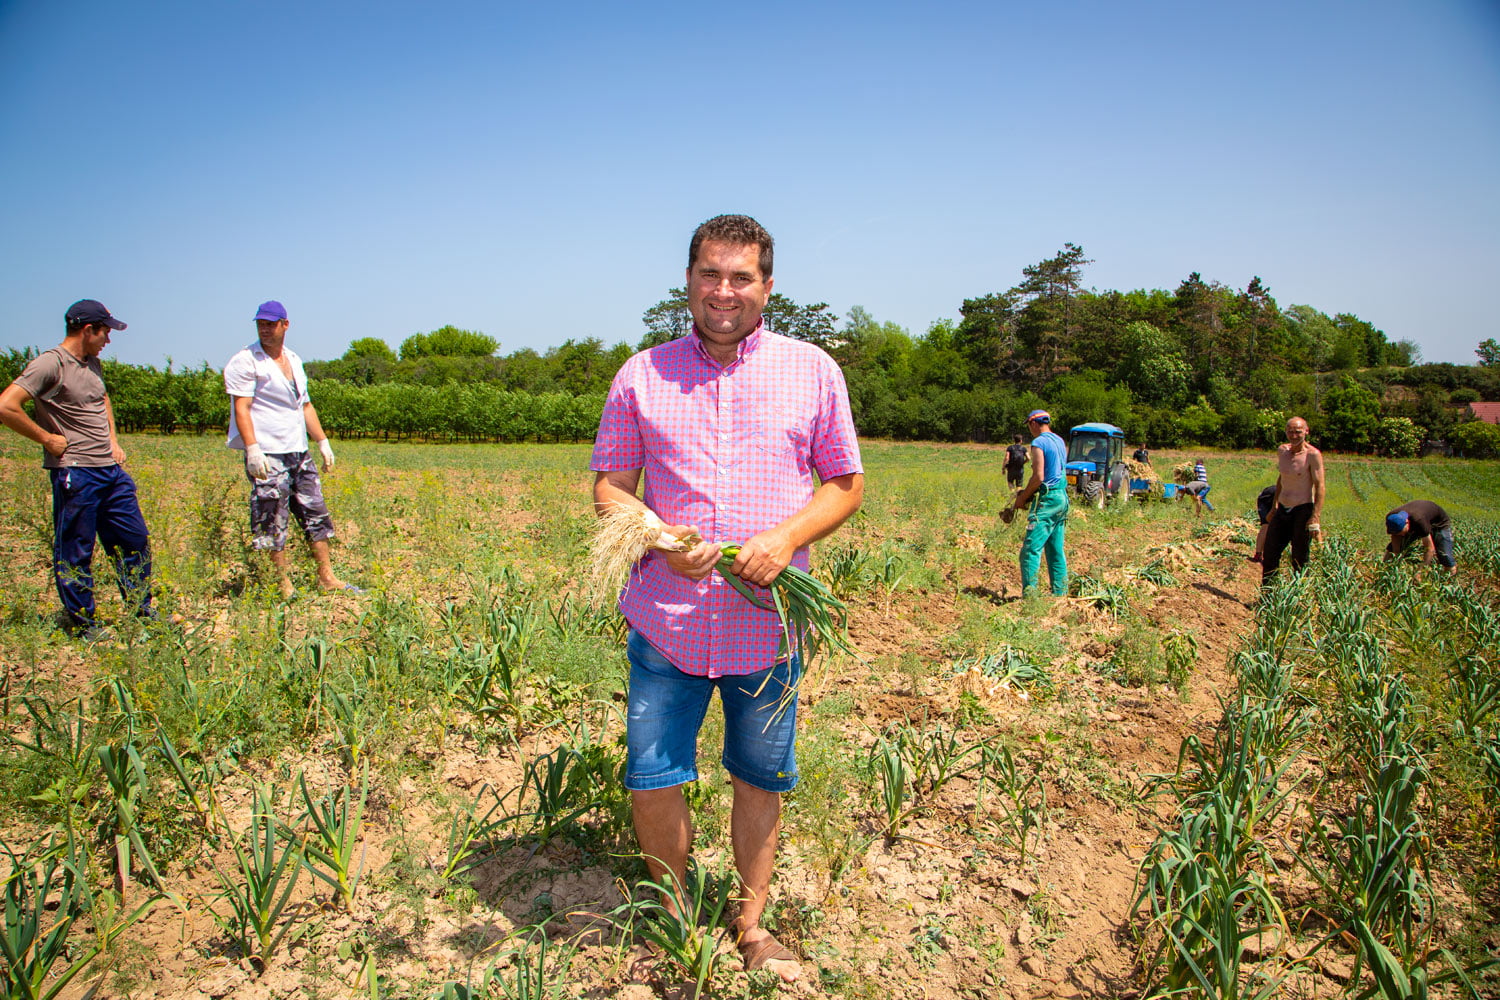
(949, 909)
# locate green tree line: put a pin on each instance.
(1201, 364)
(193, 400)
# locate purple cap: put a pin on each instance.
(271, 310)
(1040, 416)
(91, 312)
(1395, 522)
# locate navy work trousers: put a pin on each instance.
(90, 502)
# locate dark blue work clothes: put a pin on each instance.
(98, 501)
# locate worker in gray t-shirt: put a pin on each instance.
(92, 495)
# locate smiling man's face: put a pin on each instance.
(726, 293)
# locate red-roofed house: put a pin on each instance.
(1488, 412)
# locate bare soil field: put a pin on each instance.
(1009, 867)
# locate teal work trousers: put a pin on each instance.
(1046, 528)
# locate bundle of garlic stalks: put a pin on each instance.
(812, 619)
(1141, 470)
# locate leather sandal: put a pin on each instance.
(756, 954)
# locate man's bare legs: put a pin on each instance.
(753, 827)
(664, 829)
(326, 578)
(283, 572)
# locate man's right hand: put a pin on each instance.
(256, 462)
(695, 563)
(55, 445)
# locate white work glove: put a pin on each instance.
(327, 450)
(256, 462)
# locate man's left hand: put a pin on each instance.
(117, 453)
(763, 557)
(326, 450)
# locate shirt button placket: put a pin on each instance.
(721, 459)
(721, 447)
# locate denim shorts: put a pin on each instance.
(1442, 542)
(665, 710)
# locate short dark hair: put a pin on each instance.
(1018, 439)
(738, 230)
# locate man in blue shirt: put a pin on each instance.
(1045, 525)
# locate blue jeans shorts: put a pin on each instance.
(1442, 542)
(665, 710)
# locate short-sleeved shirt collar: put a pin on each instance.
(742, 350)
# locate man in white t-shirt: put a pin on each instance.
(271, 421)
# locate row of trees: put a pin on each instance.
(144, 397)
(463, 412)
(1202, 364)
(919, 388)
(449, 355)
(193, 400)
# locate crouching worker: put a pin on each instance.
(270, 423)
(1198, 490)
(1424, 521)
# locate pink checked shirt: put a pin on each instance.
(731, 450)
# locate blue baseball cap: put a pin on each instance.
(1040, 416)
(91, 312)
(1395, 522)
(271, 310)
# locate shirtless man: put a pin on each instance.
(1298, 506)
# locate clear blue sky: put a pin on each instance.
(534, 172)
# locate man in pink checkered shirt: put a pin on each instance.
(731, 424)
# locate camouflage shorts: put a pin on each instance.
(291, 488)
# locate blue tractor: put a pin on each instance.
(1096, 462)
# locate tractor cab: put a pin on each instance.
(1096, 460)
